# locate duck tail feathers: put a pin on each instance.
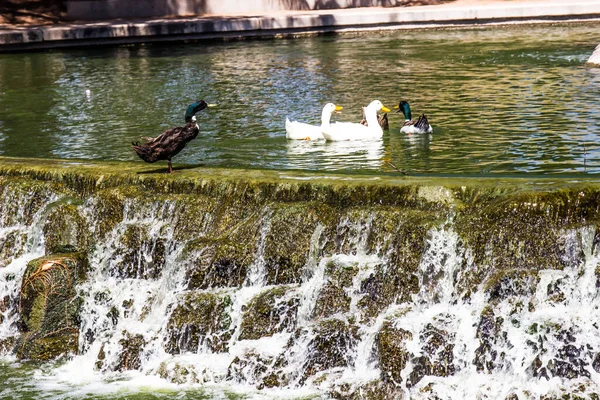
(145, 153)
(422, 123)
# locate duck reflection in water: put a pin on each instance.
(336, 155)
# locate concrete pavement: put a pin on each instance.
(290, 23)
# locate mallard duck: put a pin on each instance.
(302, 131)
(381, 119)
(420, 125)
(352, 131)
(173, 140)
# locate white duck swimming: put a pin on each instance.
(351, 131)
(302, 131)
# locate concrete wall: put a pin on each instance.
(103, 9)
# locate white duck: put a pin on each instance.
(351, 131)
(302, 131)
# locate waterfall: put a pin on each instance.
(300, 299)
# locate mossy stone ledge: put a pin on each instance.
(49, 306)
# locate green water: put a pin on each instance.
(34, 381)
(502, 100)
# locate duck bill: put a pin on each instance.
(338, 109)
(385, 109)
(211, 105)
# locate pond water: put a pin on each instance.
(502, 100)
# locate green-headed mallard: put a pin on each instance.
(352, 131)
(302, 131)
(420, 125)
(173, 140)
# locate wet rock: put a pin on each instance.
(393, 355)
(490, 336)
(437, 357)
(7, 345)
(286, 250)
(199, 320)
(218, 263)
(333, 297)
(256, 369)
(130, 354)
(374, 390)
(65, 230)
(50, 307)
(178, 374)
(12, 245)
(509, 283)
(332, 345)
(138, 255)
(270, 312)
(570, 361)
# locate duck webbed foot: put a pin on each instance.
(170, 167)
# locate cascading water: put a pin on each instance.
(372, 305)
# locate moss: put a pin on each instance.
(200, 319)
(65, 230)
(50, 306)
(270, 312)
(39, 347)
(393, 355)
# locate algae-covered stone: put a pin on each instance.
(255, 369)
(199, 320)
(50, 306)
(504, 284)
(178, 373)
(288, 241)
(490, 334)
(437, 357)
(393, 355)
(374, 390)
(130, 354)
(218, 263)
(331, 346)
(333, 297)
(12, 245)
(270, 312)
(65, 230)
(139, 255)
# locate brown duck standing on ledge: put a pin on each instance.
(382, 119)
(173, 140)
